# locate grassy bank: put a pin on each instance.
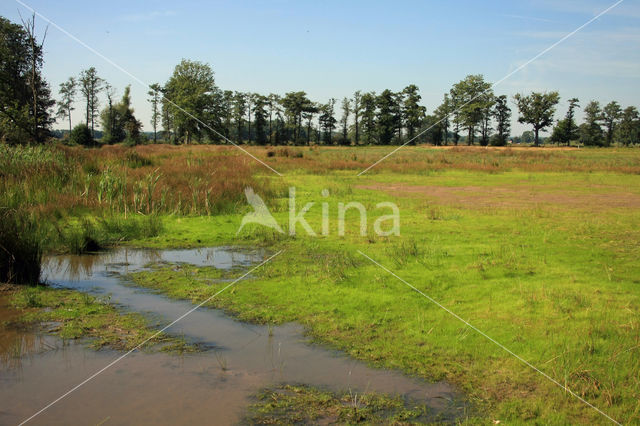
(74, 315)
(537, 248)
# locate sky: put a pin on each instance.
(333, 48)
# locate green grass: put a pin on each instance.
(77, 315)
(556, 285)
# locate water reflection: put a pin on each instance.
(18, 342)
(124, 260)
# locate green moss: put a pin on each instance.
(289, 404)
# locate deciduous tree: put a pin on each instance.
(196, 101)
(471, 97)
(67, 97)
(611, 115)
(25, 97)
(357, 109)
(155, 95)
(537, 109)
(327, 120)
(90, 86)
(628, 131)
(502, 115)
(344, 121)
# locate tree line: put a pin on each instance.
(189, 107)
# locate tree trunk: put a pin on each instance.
(535, 132)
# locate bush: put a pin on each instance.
(20, 248)
(81, 135)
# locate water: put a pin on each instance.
(209, 387)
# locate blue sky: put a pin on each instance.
(332, 48)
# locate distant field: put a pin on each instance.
(538, 248)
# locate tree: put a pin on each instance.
(502, 114)
(239, 110)
(294, 104)
(537, 109)
(570, 126)
(196, 105)
(250, 97)
(41, 100)
(471, 98)
(260, 117)
(67, 94)
(369, 124)
(119, 122)
(485, 121)
(126, 119)
(442, 117)
(227, 112)
(273, 102)
(167, 120)
(279, 124)
(457, 120)
(346, 112)
(387, 118)
(357, 109)
(527, 136)
(414, 113)
(628, 130)
(327, 120)
(90, 86)
(108, 118)
(155, 95)
(611, 114)
(25, 97)
(434, 130)
(566, 130)
(559, 132)
(590, 131)
(308, 115)
(398, 115)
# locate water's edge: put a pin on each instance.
(152, 388)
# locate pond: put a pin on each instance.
(213, 386)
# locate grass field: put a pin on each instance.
(537, 248)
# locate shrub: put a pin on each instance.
(20, 248)
(81, 135)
